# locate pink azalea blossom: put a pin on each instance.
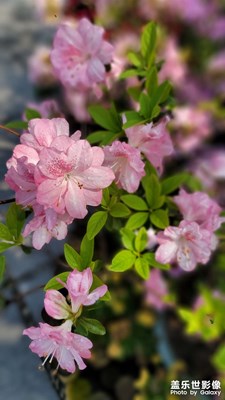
(72, 178)
(152, 140)
(40, 69)
(78, 285)
(187, 244)
(45, 225)
(156, 290)
(152, 238)
(199, 207)
(80, 54)
(59, 342)
(210, 167)
(126, 164)
(47, 109)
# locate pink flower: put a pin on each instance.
(70, 179)
(40, 70)
(58, 341)
(46, 224)
(187, 244)
(152, 140)
(126, 164)
(78, 285)
(174, 67)
(199, 207)
(210, 167)
(152, 238)
(156, 290)
(80, 54)
(47, 109)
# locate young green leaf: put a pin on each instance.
(72, 257)
(142, 267)
(141, 240)
(160, 219)
(128, 238)
(5, 233)
(92, 325)
(152, 189)
(148, 43)
(174, 182)
(54, 284)
(17, 125)
(135, 202)
(86, 251)
(108, 119)
(96, 283)
(145, 105)
(122, 261)
(150, 258)
(30, 113)
(5, 246)
(137, 220)
(15, 218)
(96, 223)
(119, 210)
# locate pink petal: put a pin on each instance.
(74, 200)
(56, 305)
(95, 295)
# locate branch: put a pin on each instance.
(5, 128)
(7, 201)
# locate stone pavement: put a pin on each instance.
(20, 378)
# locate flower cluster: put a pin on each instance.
(57, 175)
(59, 341)
(193, 240)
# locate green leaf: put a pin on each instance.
(17, 125)
(135, 202)
(54, 284)
(145, 105)
(92, 325)
(119, 210)
(105, 197)
(131, 72)
(135, 59)
(15, 218)
(174, 182)
(2, 267)
(122, 261)
(30, 113)
(5, 246)
(109, 119)
(137, 220)
(97, 136)
(96, 283)
(72, 257)
(219, 358)
(96, 223)
(128, 238)
(134, 92)
(4, 232)
(152, 81)
(152, 189)
(142, 267)
(150, 258)
(148, 43)
(160, 219)
(162, 93)
(141, 240)
(86, 251)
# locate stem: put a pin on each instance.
(5, 128)
(7, 201)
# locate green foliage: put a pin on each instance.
(135, 202)
(86, 251)
(174, 182)
(96, 223)
(108, 119)
(2, 267)
(30, 113)
(91, 325)
(142, 267)
(137, 220)
(54, 283)
(219, 358)
(150, 257)
(10, 234)
(128, 237)
(17, 125)
(72, 257)
(148, 43)
(152, 189)
(98, 282)
(160, 218)
(122, 261)
(119, 210)
(141, 240)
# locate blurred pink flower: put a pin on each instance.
(58, 341)
(152, 140)
(80, 54)
(199, 207)
(152, 238)
(210, 167)
(156, 290)
(191, 126)
(47, 109)
(70, 179)
(187, 244)
(126, 163)
(40, 69)
(173, 68)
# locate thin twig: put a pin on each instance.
(5, 128)
(7, 201)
